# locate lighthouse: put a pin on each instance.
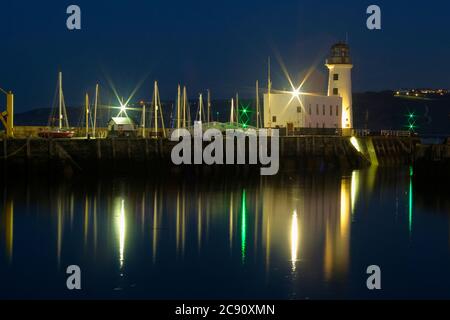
(340, 67)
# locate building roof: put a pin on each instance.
(122, 120)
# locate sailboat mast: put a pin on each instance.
(143, 120)
(200, 107)
(232, 111)
(95, 110)
(257, 104)
(237, 107)
(155, 101)
(269, 89)
(184, 107)
(178, 107)
(60, 99)
(87, 115)
(209, 106)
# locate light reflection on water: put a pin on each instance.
(307, 236)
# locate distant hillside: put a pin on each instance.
(374, 110)
(381, 110)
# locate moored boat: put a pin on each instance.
(56, 133)
(61, 129)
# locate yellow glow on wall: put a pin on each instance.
(355, 143)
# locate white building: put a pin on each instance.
(301, 110)
(121, 127)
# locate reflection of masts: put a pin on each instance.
(199, 221)
(155, 223)
(86, 219)
(231, 223)
(9, 224)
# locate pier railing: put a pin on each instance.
(395, 133)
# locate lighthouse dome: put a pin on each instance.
(339, 54)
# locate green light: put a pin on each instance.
(244, 115)
(411, 117)
(243, 225)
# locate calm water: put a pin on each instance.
(290, 237)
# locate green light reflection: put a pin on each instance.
(243, 226)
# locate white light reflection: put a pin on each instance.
(120, 229)
(294, 240)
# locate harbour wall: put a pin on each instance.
(153, 156)
(432, 163)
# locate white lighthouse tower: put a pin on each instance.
(340, 80)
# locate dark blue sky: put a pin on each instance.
(221, 45)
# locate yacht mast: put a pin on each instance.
(209, 106)
(237, 107)
(257, 104)
(60, 116)
(232, 111)
(178, 107)
(269, 89)
(184, 107)
(87, 115)
(95, 110)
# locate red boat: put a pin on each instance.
(56, 133)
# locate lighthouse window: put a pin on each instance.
(274, 119)
(337, 111)
(331, 110)
(335, 91)
(317, 109)
(299, 109)
(323, 110)
(335, 76)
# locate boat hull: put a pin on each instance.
(56, 134)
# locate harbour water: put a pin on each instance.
(295, 236)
